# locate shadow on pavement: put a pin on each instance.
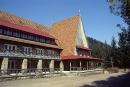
(119, 81)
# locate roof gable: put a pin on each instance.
(81, 37)
(66, 31)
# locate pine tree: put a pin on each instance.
(107, 55)
(122, 9)
(123, 50)
(114, 53)
(128, 46)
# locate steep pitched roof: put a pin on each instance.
(23, 22)
(65, 31)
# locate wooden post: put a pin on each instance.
(61, 66)
(4, 66)
(51, 66)
(87, 65)
(80, 65)
(24, 65)
(70, 65)
(39, 65)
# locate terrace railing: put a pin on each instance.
(17, 53)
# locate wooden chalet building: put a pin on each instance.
(26, 46)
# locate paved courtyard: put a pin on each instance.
(67, 81)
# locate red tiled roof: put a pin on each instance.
(24, 28)
(22, 22)
(78, 57)
(84, 48)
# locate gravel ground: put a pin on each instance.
(64, 81)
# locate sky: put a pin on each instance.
(98, 22)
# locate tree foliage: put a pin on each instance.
(100, 50)
(121, 8)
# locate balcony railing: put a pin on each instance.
(16, 53)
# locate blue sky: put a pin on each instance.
(98, 22)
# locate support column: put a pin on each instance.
(91, 63)
(24, 65)
(101, 65)
(4, 66)
(80, 65)
(70, 65)
(61, 66)
(96, 64)
(87, 65)
(39, 65)
(51, 66)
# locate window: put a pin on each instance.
(34, 38)
(37, 38)
(42, 40)
(5, 31)
(30, 37)
(50, 52)
(46, 52)
(53, 42)
(1, 31)
(14, 33)
(10, 47)
(21, 34)
(18, 34)
(27, 50)
(39, 51)
(48, 41)
(25, 35)
(9, 32)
